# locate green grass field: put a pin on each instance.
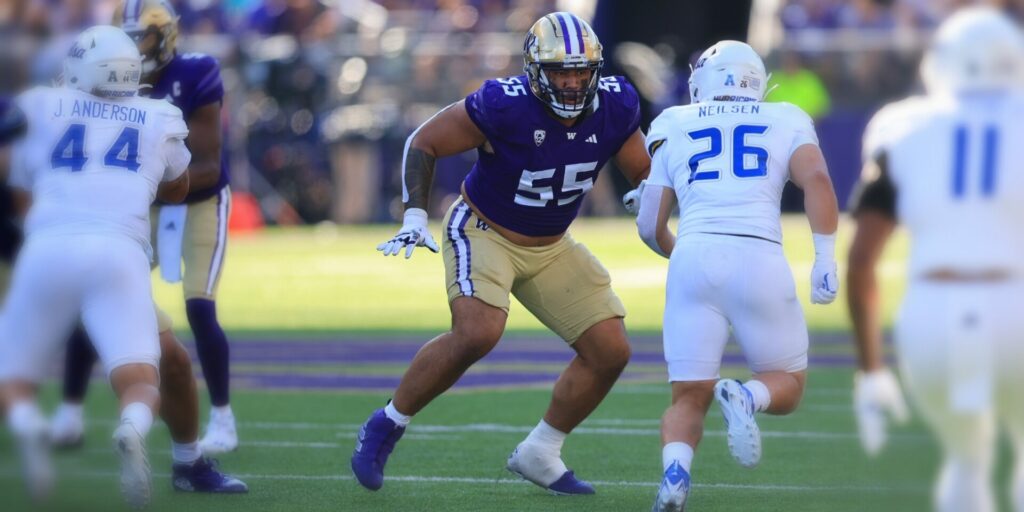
(329, 284)
(333, 279)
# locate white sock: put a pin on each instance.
(400, 419)
(547, 437)
(25, 418)
(762, 398)
(223, 411)
(70, 410)
(677, 452)
(139, 415)
(186, 453)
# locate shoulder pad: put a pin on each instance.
(891, 120)
(504, 93)
(618, 90)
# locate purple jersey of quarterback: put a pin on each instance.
(191, 81)
(534, 181)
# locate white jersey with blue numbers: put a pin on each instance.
(728, 163)
(93, 165)
(957, 165)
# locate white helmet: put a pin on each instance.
(976, 49)
(728, 70)
(103, 61)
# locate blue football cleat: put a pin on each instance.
(376, 440)
(531, 466)
(202, 476)
(675, 486)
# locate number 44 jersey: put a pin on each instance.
(93, 165)
(728, 162)
(534, 174)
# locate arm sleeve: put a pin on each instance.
(875, 191)
(658, 147)
(177, 157)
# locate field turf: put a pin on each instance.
(323, 327)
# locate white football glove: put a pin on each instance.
(632, 198)
(414, 233)
(824, 274)
(877, 397)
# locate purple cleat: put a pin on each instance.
(202, 476)
(376, 440)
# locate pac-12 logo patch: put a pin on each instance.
(538, 136)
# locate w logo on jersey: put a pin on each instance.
(571, 135)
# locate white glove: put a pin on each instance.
(414, 233)
(632, 198)
(824, 275)
(877, 395)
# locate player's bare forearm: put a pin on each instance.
(174, 192)
(204, 142)
(204, 175)
(449, 132)
(873, 230)
(419, 176)
(809, 171)
(821, 205)
(633, 160)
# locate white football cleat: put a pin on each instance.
(545, 469)
(675, 486)
(67, 429)
(744, 436)
(221, 436)
(34, 448)
(136, 478)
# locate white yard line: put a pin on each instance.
(343, 430)
(88, 475)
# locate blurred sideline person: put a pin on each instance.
(191, 82)
(541, 140)
(725, 159)
(948, 167)
(94, 157)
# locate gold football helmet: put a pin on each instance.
(562, 41)
(153, 25)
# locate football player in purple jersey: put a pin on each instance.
(541, 140)
(192, 82)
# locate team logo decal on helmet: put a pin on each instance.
(103, 61)
(557, 42)
(153, 24)
(729, 70)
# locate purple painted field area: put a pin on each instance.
(343, 364)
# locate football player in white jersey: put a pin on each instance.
(948, 167)
(726, 158)
(93, 159)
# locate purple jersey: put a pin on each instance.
(191, 81)
(535, 180)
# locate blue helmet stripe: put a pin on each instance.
(579, 33)
(565, 34)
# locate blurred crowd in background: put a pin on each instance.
(321, 94)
